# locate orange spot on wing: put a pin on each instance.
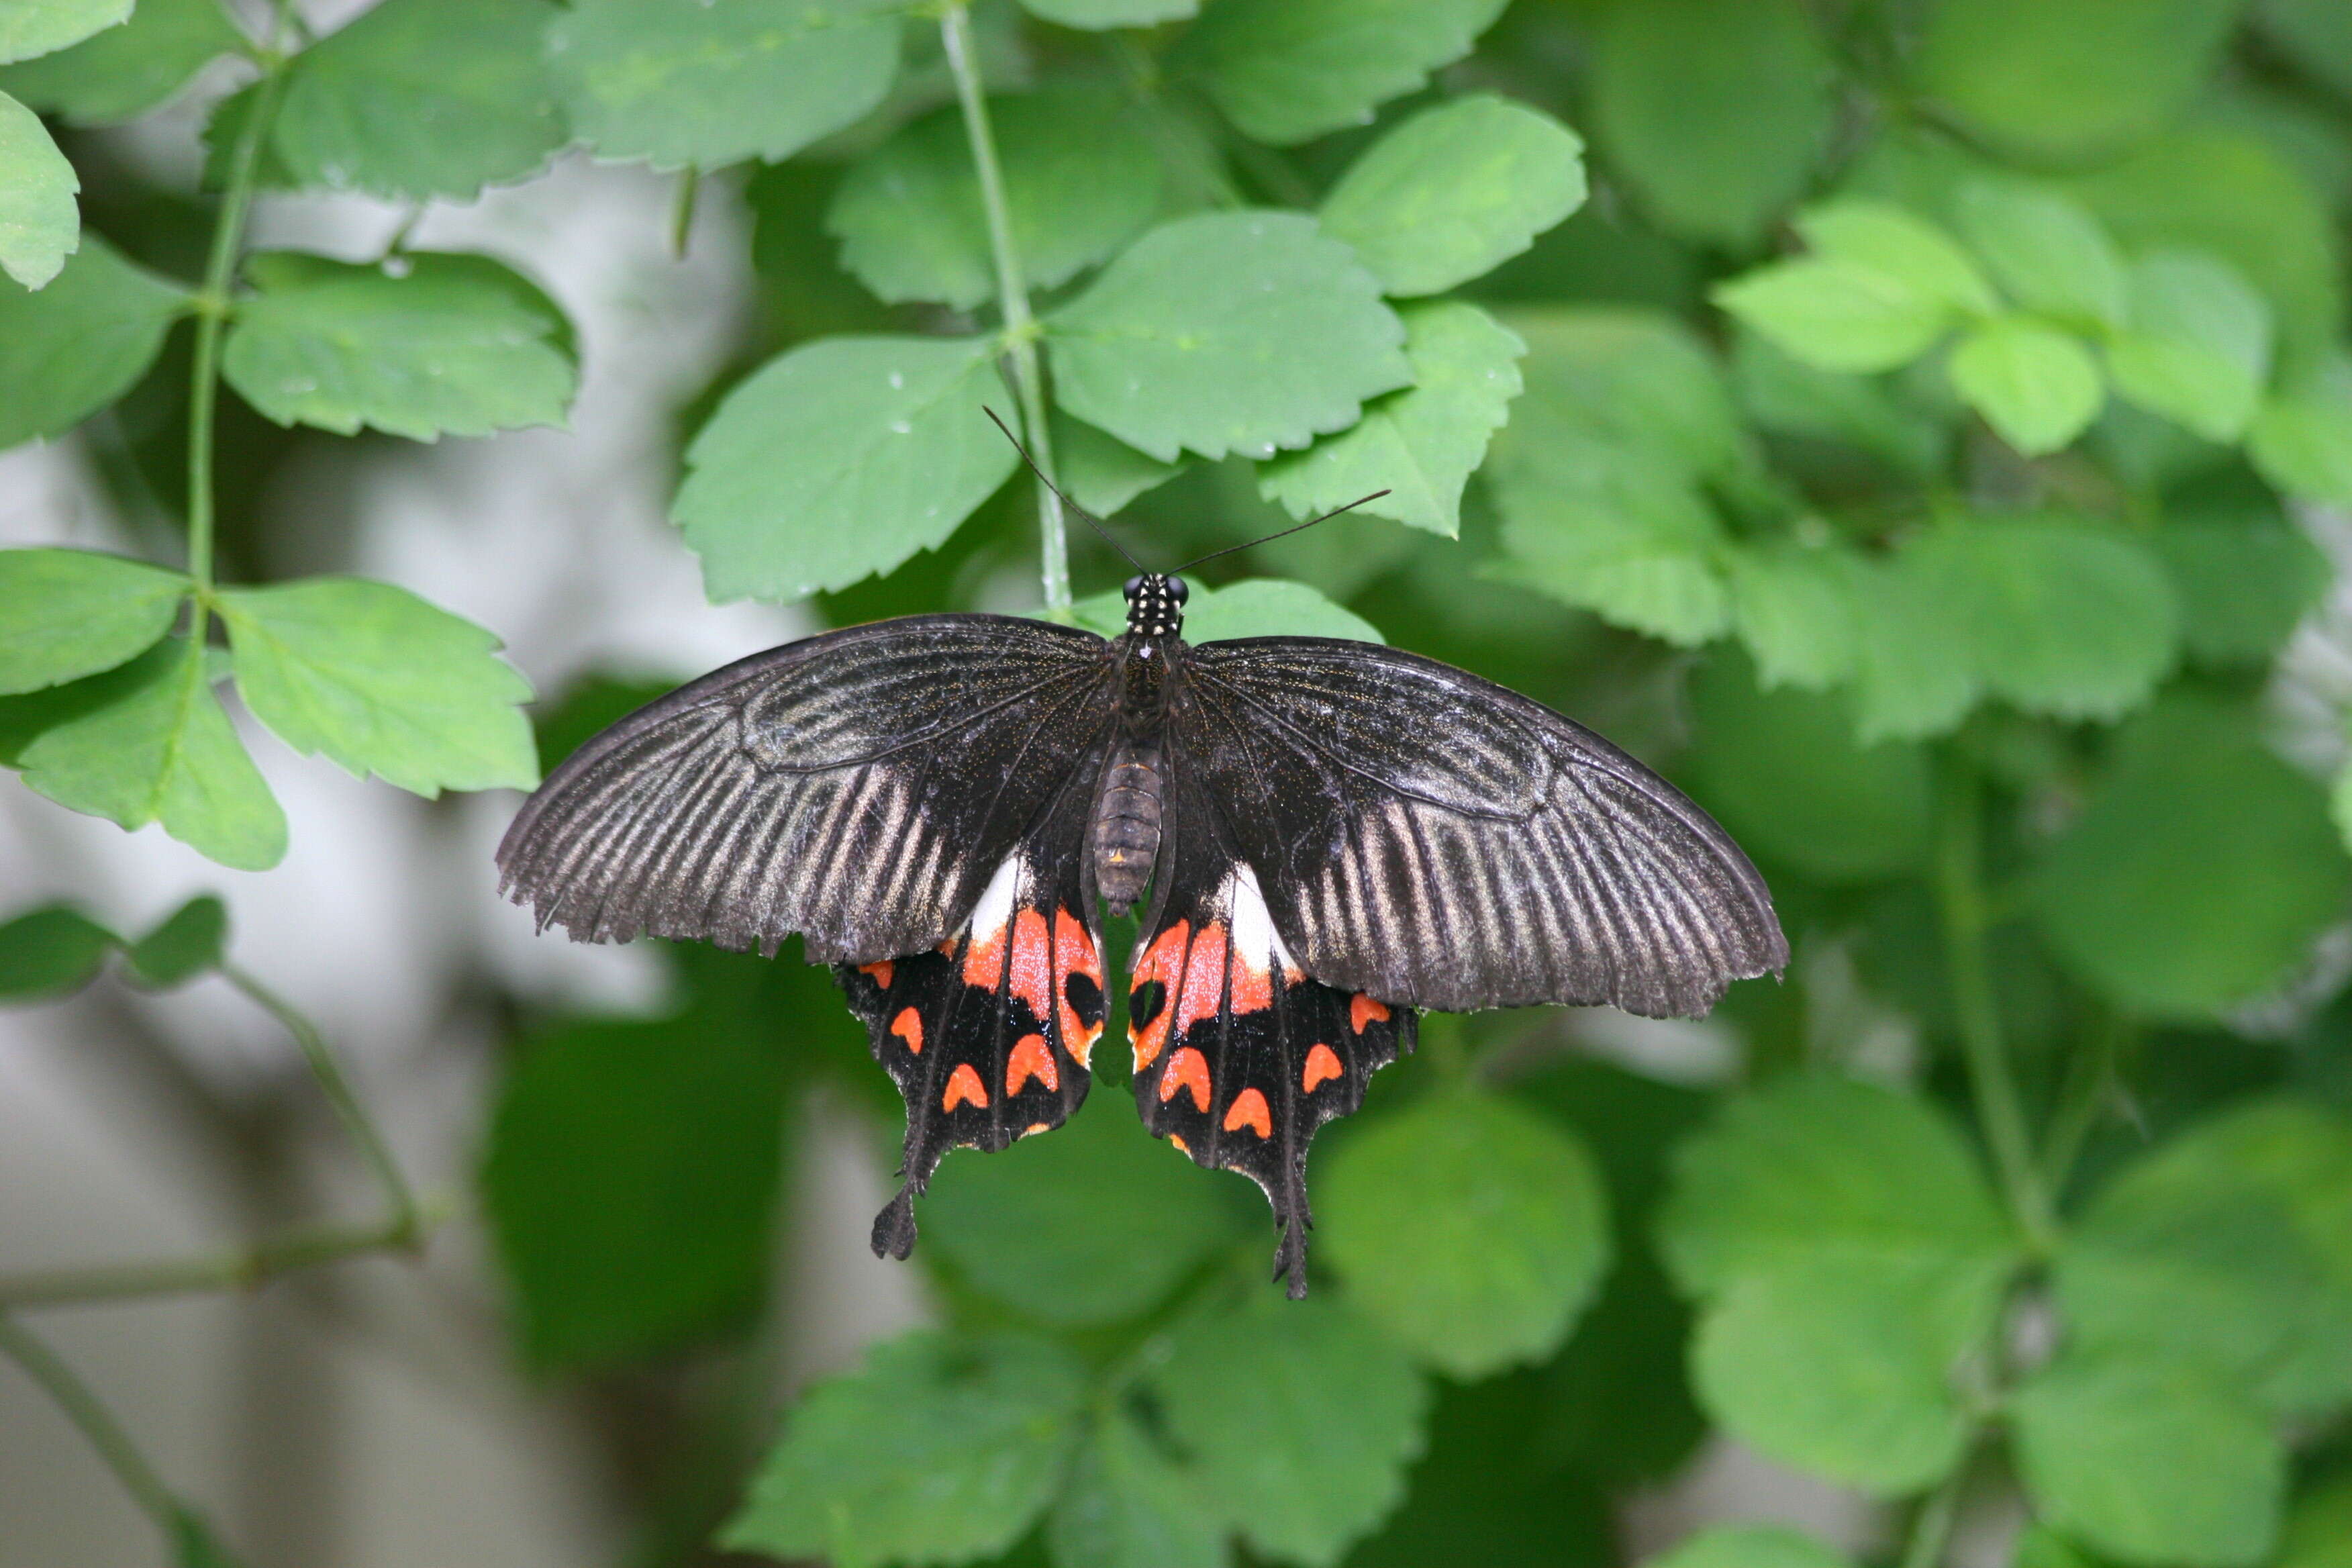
(1249, 1109)
(1363, 1009)
(1074, 954)
(1032, 963)
(1036, 1126)
(984, 958)
(1322, 1063)
(1182, 1147)
(1204, 979)
(964, 1087)
(880, 970)
(1031, 1059)
(908, 1027)
(1163, 960)
(1187, 1070)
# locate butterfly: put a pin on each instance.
(1324, 837)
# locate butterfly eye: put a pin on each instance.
(1134, 586)
(1178, 591)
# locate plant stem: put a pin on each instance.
(1931, 1527)
(1960, 893)
(2089, 1077)
(84, 1409)
(1021, 330)
(241, 1268)
(405, 1217)
(681, 215)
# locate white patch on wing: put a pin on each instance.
(1255, 937)
(990, 915)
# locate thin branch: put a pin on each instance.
(236, 1269)
(86, 1410)
(1021, 329)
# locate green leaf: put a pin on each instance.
(2317, 35)
(1226, 331)
(2229, 1247)
(2197, 349)
(1421, 444)
(2038, 387)
(381, 682)
(1472, 1230)
(1081, 178)
(1714, 112)
(2200, 872)
(1454, 192)
(32, 28)
(1099, 473)
(1872, 416)
(1299, 1419)
(1129, 1505)
(65, 614)
(838, 460)
(1836, 315)
(1048, 1226)
(2048, 254)
(1783, 770)
(631, 1182)
(1894, 245)
(2301, 441)
(419, 99)
(718, 82)
(1790, 605)
(448, 344)
(2243, 584)
(149, 741)
(1919, 664)
(938, 1450)
(1818, 1164)
(123, 72)
(1843, 1363)
(1750, 1546)
(1098, 14)
(2053, 81)
(2319, 1531)
(2149, 1464)
(39, 225)
(53, 951)
(1288, 70)
(188, 942)
(79, 344)
(1253, 607)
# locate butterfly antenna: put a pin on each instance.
(1280, 533)
(1092, 521)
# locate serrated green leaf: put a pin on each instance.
(149, 741)
(1228, 332)
(2200, 870)
(451, 344)
(1253, 607)
(1288, 70)
(2231, 1248)
(938, 1450)
(381, 682)
(2197, 349)
(838, 460)
(1891, 243)
(1299, 1419)
(1842, 1362)
(187, 942)
(1714, 112)
(2035, 386)
(2148, 1463)
(1421, 444)
(1048, 1226)
(2045, 250)
(1454, 192)
(1836, 315)
(1099, 473)
(31, 28)
(1130, 1505)
(1081, 177)
(1750, 1546)
(1098, 14)
(2242, 583)
(420, 98)
(1791, 605)
(65, 614)
(79, 344)
(123, 72)
(1472, 1230)
(2301, 441)
(53, 951)
(630, 1183)
(1818, 1164)
(1918, 666)
(39, 224)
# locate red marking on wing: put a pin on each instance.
(908, 1027)
(1074, 954)
(1363, 1009)
(880, 970)
(1163, 960)
(1031, 1059)
(1322, 1063)
(1204, 980)
(1249, 1109)
(1182, 1147)
(964, 1087)
(1188, 1068)
(984, 958)
(1032, 963)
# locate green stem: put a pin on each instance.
(407, 1220)
(1960, 893)
(2089, 1077)
(1931, 1527)
(85, 1410)
(681, 215)
(1021, 330)
(242, 1268)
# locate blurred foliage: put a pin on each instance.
(1899, 419)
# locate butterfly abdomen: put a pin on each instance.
(1125, 828)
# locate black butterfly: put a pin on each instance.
(1332, 835)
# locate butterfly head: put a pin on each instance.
(1155, 605)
